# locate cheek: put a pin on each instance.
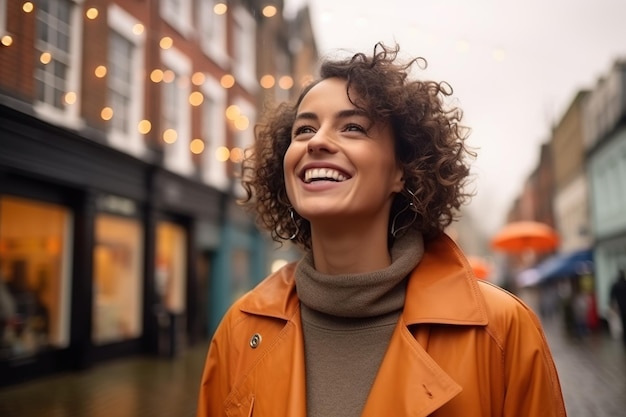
(289, 165)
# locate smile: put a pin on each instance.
(323, 174)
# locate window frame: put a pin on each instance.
(244, 55)
(122, 24)
(177, 17)
(214, 171)
(212, 32)
(177, 155)
(70, 115)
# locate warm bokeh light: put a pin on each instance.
(144, 126)
(227, 81)
(70, 97)
(222, 154)
(242, 123)
(196, 98)
(170, 136)
(197, 78)
(28, 6)
(138, 29)
(463, 46)
(267, 81)
(196, 146)
(7, 40)
(269, 11)
(91, 13)
(45, 58)
(168, 76)
(166, 42)
(285, 82)
(306, 80)
(156, 76)
(100, 71)
(499, 54)
(220, 8)
(106, 113)
(232, 112)
(236, 154)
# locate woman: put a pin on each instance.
(383, 315)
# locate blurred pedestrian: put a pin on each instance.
(383, 314)
(618, 300)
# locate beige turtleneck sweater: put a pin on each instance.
(347, 322)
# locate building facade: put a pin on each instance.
(122, 125)
(571, 198)
(605, 142)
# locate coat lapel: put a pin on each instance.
(420, 386)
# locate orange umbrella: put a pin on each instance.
(480, 266)
(525, 235)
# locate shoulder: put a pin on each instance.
(509, 317)
(274, 297)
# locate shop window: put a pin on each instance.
(117, 276)
(34, 276)
(171, 267)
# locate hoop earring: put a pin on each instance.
(292, 237)
(293, 220)
(394, 231)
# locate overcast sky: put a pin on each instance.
(515, 66)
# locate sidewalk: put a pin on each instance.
(133, 387)
(592, 372)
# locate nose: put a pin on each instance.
(321, 142)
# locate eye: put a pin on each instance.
(353, 127)
(303, 130)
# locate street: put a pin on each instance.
(592, 373)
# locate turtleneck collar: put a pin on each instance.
(365, 294)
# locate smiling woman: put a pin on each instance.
(383, 315)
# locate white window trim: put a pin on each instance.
(177, 155)
(245, 72)
(179, 21)
(215, 174)
(3, 17)
(122, 22)
(70, 117)
(215, 48)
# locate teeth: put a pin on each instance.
(323, 173)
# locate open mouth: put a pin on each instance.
(323, 174)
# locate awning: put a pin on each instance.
(564, 265)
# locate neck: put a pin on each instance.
(350, 249)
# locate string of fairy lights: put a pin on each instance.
(233, 113)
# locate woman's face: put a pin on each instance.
(340, 165)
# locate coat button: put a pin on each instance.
(255, 340)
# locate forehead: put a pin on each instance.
(329, 91)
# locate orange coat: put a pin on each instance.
(462, 347)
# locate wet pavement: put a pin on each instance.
(592, 372)
(133, 387)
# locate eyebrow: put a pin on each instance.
(342, 114)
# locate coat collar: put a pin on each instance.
(442, 289)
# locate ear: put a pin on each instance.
(398, 179)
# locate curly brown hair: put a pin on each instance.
(430, 144)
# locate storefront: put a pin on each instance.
(101, 254)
